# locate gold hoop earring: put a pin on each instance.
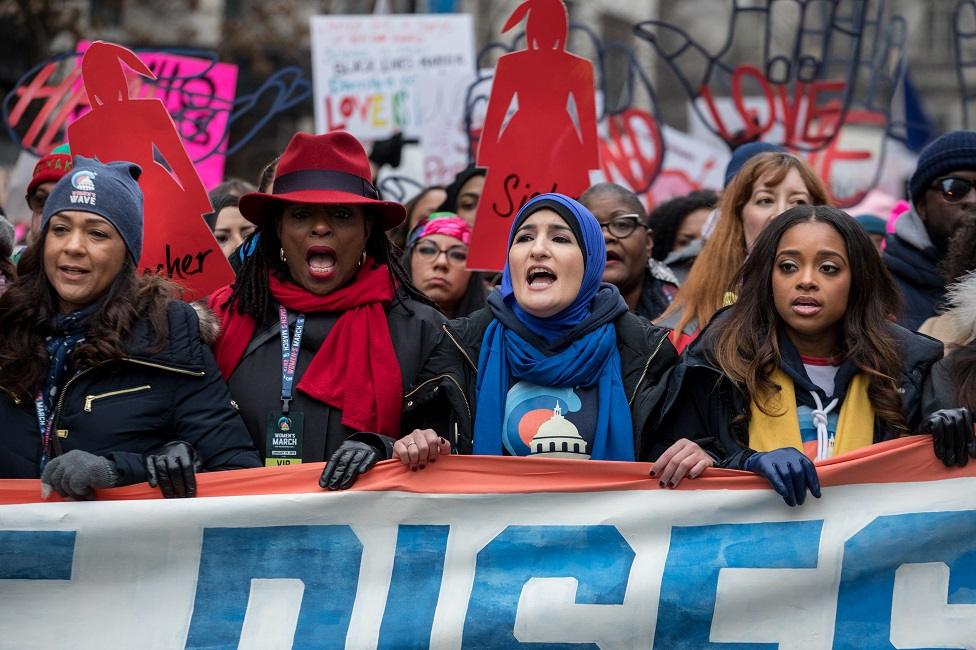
(281, 254)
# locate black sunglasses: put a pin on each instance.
(953, 188)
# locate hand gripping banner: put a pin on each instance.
(484, 552)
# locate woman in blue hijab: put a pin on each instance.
(555, 365)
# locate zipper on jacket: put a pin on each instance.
(159, 366)
(91, 398)
(438, 377)
(67, 385)
(646, 368)
(460, 347)
(12, 395)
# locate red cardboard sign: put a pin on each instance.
(550, 142)
(176, 240)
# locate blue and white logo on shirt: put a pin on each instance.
(546, 421)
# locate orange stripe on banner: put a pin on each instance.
(897, 461)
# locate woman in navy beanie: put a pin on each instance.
(105, 378)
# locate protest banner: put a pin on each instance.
(177, 241)
(366, 69)
(490, 552)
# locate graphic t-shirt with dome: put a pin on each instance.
(548, 421)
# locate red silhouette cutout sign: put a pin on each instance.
(549, 144)
(176, 241)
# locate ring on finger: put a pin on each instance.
(411, 443)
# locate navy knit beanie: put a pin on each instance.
(744, 154)
(954, 151)
(109, 190)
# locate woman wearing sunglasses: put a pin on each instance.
(943, 200)
(435, 259)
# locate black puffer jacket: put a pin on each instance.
(256, 381)
(703, 405)
(123, 409)
(443, 398)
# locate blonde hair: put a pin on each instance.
(713, 272)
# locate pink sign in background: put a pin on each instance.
(200, 91)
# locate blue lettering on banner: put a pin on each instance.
(325, 558)
(696, 556)
(873, 555)
(418, 567)
(597, 556)
(36, 554)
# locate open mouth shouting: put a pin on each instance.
(613, 257)
(539, 277)
(806, 306)
(321, 262)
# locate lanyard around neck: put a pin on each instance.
(289, 355)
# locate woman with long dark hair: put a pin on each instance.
(326, 312)
(806, 364)
(105, 378)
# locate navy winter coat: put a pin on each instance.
(123, 409)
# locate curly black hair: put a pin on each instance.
(666, 219)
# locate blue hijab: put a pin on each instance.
(576, 347)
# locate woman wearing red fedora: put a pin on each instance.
(322, 330)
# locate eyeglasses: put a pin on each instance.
(953, 188)
(429, 251)
(623, 226)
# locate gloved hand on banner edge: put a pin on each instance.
(788, 471)
(952, 435)
(351, 459)
(172, 467)
(77, 474)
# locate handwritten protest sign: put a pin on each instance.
(366, 69)
(177, 241)
(489, 552)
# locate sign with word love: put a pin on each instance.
(366, 69)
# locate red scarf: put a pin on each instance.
(356, 370)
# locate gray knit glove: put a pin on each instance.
(77, 474)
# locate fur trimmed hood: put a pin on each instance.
(209, 323)
(961, 315)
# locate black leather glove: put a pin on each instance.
(788, 471)
(952, 435)
(77, 474)
(172, 467)
(350, 460)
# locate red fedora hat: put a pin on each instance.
(325, 169)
